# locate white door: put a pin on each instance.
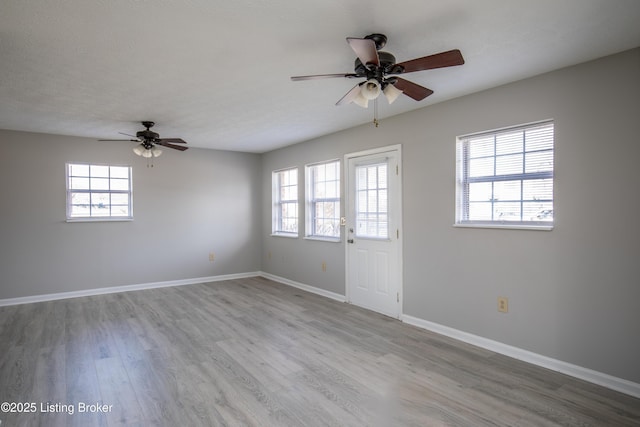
(373, 250)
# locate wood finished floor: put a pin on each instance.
(252, 352)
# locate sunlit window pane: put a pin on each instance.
(285, 201)
(323, 200)
(372, 201)
(98, 191)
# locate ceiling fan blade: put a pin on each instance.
(132, 140)
(412, 90)
(350, 96)
(172, 140)
(169, 145)
(439, 60)
(365, 49)
(127, 134)
(323, 76)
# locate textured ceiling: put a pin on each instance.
(216, 73)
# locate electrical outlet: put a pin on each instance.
(212, 257)
(503, 304)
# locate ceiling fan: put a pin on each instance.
(380, 71)
(148, 140)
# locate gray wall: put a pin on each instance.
(191, 203)
(574, 292)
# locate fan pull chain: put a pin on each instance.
(375, 112)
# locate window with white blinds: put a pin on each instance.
(505, 177)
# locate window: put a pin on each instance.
(323, 200)
(98, 192)
(505, 177)
(372, 202)
(285, 202)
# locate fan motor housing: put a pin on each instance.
(387, 65)
(147, 135)
(387, 61)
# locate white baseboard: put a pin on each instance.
(605, 380)
(125, 288)
(308, 288)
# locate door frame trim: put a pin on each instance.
(397, 148)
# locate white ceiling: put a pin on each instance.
(216, 73)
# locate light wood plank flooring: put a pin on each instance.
(252, 352)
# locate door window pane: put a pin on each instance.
(372, 203)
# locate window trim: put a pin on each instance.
(109, 218)
(276, 203)
(310, 202)
(463, 181)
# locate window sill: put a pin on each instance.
(287, 235)
(323, 239)
(103, 219)
(507, 226)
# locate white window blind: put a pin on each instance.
(505, 177)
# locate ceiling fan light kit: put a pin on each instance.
(143, 151)
(380, 69)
